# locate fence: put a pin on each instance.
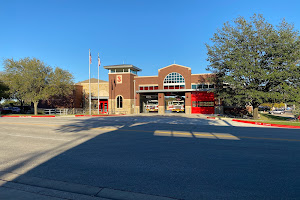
(64, 111)
(76, 111)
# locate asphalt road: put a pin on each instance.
(175, 157)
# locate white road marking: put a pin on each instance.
(137, 124)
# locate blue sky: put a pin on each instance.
(148, 34)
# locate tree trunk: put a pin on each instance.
(35, 105)
(22, 106)
(255, 111)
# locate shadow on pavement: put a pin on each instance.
(175, 157)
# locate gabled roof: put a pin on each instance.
(175, 65)
(93, 80)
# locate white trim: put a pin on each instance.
(148, 84)
(123, 73)
(144, 76)
(174, 90)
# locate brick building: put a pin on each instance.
(174, 89)
(83, 88)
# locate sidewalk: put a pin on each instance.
(19, 187)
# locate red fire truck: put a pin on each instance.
(176, 106)
(152, 106)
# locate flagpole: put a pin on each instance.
(98, 84)
(90, 95)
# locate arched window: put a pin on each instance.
(119, 102)
(174, 80)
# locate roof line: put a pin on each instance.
(174, 64)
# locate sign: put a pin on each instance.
(119, 79)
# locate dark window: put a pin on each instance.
(194, 104)
(119, 102)
(155, 87)
(141, 88)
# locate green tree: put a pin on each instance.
(256, 61)
(31, 80)
(3, 90)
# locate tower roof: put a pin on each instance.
(123, 66)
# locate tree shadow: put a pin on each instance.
(181, 161)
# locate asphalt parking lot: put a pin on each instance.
(173, 157)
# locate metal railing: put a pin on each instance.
(78, 111)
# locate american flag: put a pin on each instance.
(99, 62)
(90, 58)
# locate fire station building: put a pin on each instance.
(174, 89)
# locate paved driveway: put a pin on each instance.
(176, 157)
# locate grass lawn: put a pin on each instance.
(272, 119)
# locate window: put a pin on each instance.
(194, 103)
(200, 86)
(119, 102)
(174, 77)
(151, 87)
(203, 86)
(173, 81)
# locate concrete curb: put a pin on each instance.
(210, 118)
(97, 115)
(266, 124)
(30, 184)
(28, 116)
